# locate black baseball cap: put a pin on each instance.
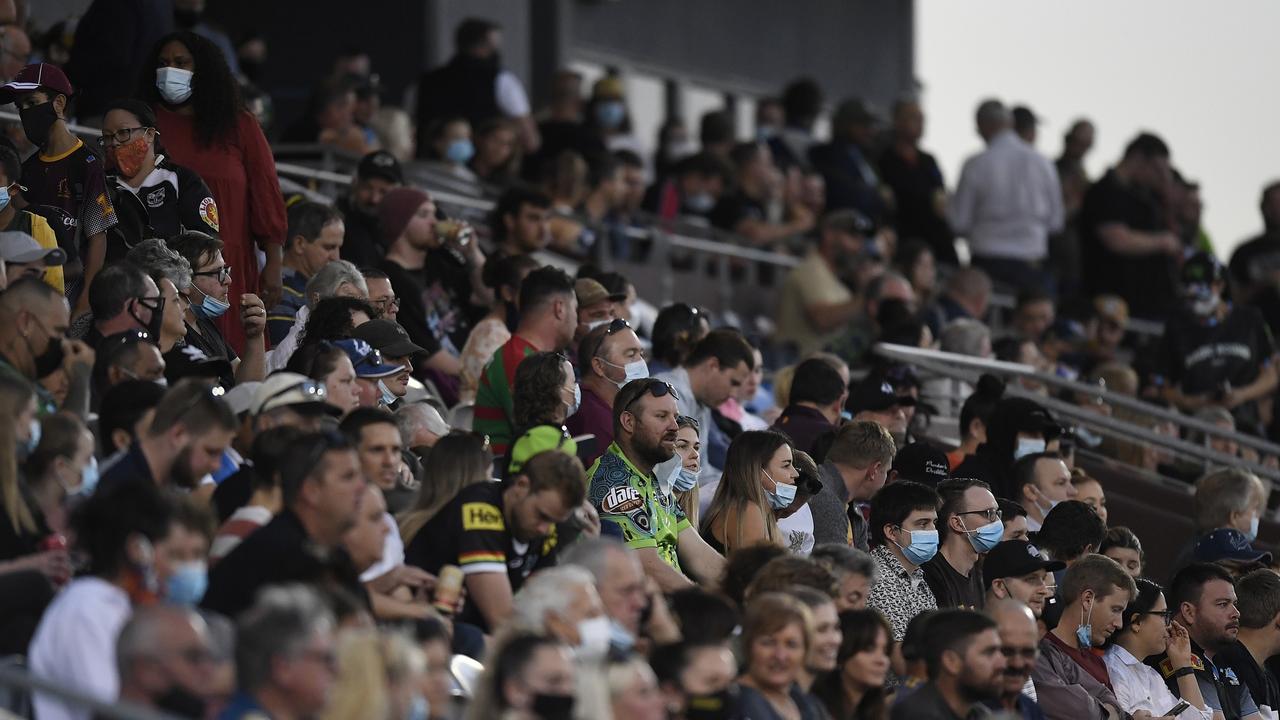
(382, 164)
(1015, 558)
(1228, 544)
(1202, 269)
(923, 463)
(875, 394)
(387, 336)
(189, 361)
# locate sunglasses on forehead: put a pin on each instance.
(656, 388)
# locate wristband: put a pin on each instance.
(1183, 671)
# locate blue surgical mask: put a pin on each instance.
(88, 479)
(700, 202)
(34, 438)
(1027, 446)
(620, 638)
(174, 84)
(782, 495)
(419, 708)
(187, 583)
(460, 151)
(682, 479)
(388, 397)
(985, 538)
(846, 416)
(922, 548)
(635, 370)
(1253, 529)
(611, 113)
(577, 399)
(4, 198)
(210, 307)
(1084, 633)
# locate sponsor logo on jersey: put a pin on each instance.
(620, 500)
(481, 516)
(209, 213)
(155, 198)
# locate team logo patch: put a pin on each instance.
(640, 519)
(155, 198)
(621, 500)
(209, 213)
(481, 516)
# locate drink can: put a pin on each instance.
(448, 589)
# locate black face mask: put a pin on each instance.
(714, 706)
(157, 316)
(553, 707)
(179, 701)
(48, 361)
(36, 122)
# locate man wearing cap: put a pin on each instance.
(372, 372)
(1015, 569)
(1006, 204)
(377, 174)
(846, 162)
(41, 93)
(818, 394)
(596, 306)
(435, 277)
(392, 340)
(921, 462)
(855, 467)
(23, 257)
(315, 237)
(874, 400)
(24, 221)
(609, 357)
(1216, 353)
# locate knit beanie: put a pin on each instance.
(397, 207)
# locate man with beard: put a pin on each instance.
(1071, 680)
(625, 491)
(164, 659)
(966, 668)
(191, 429)
(500, 533)
(816, 303)
(377, 174)
(33, 323)
(1202, 598)
(322, 486)
(1018, 637)
(392, 340)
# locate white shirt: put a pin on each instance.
(392, 552)
(75, 645)
(511, 97)
(1139, 687)
(1008, 200)
(278, 356)
(797, 530)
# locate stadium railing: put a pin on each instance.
(18, 685)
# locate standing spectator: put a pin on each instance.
(1006, 204)
(856, 467)
(285, 661)
(847, 163)
(919, 191)
(903, 537)
(13, 220)
(1125, 238)
(1258, 639)
(110, 48)
(1019, 636)
(548, 319)
(321, 485)
(41, 93)
(969, 522)
(802, 102)
(474, 85)
(377, 174)
(1014, 569)
(813, 409)
(164, 660)
(503, 276)
(816, 301)
(1256, 262)
(1072, 174)
(75, 644)
(609, 357)
(206, 128)
(315, 239)
(966, 668)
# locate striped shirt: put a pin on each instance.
(494, 412)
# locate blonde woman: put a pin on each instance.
(458, 460)
(22, 525)
(759, 479)
(684, 477)
(379, 677)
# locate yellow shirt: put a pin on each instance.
(810, 283)
(43, 233)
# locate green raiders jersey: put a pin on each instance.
(647, 517)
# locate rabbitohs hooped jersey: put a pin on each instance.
(647, 517)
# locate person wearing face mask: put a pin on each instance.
(164, 660)
(42, 93)
(596, 307)
(61, 466)
(1016, 428)
(545, 392)
(970, 526)
(152, 195)
(201, 117)
(1196, 369)
(181, 562)
(532, 677)
(25, 221)
(697, 678)
(904, 537)
(123, 298)
(608, 118)
(1071, 680)
(1041, 481)
(169, 271)
(637, 612)
(75, 643)
(609, 357)
(759, 480)
(34, 319)
(452, 149)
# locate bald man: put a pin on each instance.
(1019, 641)
(165, 660)
(33, 325)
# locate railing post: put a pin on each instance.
(661, 260)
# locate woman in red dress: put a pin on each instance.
(205, 127)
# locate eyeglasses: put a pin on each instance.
(990, 514)
(1166, 614)
(656, 388)
(1029, 654)
(222, 273)
(119, 137)
(385, 304)
(687, 421)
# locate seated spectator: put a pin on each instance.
(127, 409)
(857, 687)
(816, 302)
(974, 416)
(376, 174)
(683, 479)
(1072, 681)
(503, 276)
(818, 395)
(335, 319)
(795, 521)
(692, 189)
(695, 677)
(903, 536)
(544, 392)
(969, 522)
(520, 221)
(873, 400)
(1015, 520)
(596, 306)
(153, 196)
(966, 667)
(128, 355)
(1089, 492)
(1120, 544)
(392, 341)
(1202, 599)
(180, 557)
(777, 634)
(124, 299)
(265, 496)
(13, 220)
(328, 364)
(853, 570)
(207, 301)
(1226, 499)
(163, 657)
(187, 435)
(1019, 636)
(24, 257)
(856, 467)
(1015, 569)
(1033, 314)
(330, 119)
(422, 427)
(633, 689)
(336, 279)
(676, 330)
(169, 271)
(788, 572)
(464, 460)
(75, 643)
(624, 489)
(381, 295)
(921, 462)
(1071, 531)
(321, 485)
(60, 465)
(279, 640)
(500, 533)
(315, 239)
(609, 357)
(1041, 482)
(742, 212)
(1018, 428)
(1258, 639)
(527, 668)
(548, 318)
(451, 148)
(759, 480)
(634, 611)
(371, 372)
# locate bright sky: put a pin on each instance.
(1200, 74)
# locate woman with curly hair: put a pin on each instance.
(206, 128)
(545, 391)
(335, 318)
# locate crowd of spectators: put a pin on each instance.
(267, 456)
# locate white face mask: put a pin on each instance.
(635, 370)
(174, 84)
(1028, 446)
(593, 638)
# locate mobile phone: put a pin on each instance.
(1182, 705)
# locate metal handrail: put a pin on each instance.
(18, 678)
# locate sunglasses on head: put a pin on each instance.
(656, 388)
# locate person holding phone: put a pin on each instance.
(1149, 629)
